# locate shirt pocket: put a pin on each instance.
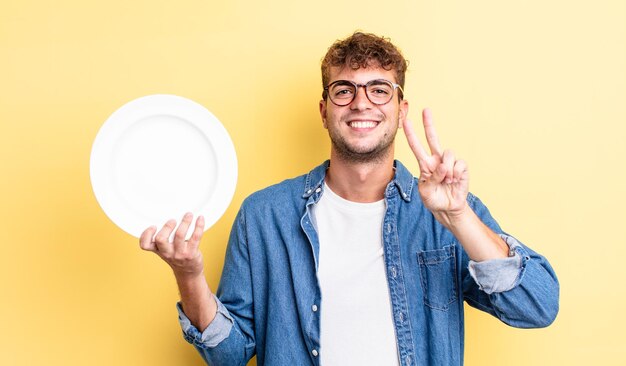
(438, 277)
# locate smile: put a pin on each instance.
(363, 124)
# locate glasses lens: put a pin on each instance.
(379, 91)
(342, 92)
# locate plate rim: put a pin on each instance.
(132, 112)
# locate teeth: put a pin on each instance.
(361, 124)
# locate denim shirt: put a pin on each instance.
(269, 298)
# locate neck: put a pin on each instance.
(360, 181)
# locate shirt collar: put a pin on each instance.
(403, 180)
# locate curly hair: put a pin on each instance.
(362, 50)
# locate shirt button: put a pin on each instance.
(314, 353)
(394, 273)
(309, 191)
(314, 308)
(318, 190)
(401, 317)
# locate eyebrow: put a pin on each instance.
(373, 81)
(342, 82)
(379, 81)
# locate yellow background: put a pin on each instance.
(532, 94)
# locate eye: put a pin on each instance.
(343, 91)
(379, 90)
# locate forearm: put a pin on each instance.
(197, 300)
(478, 240)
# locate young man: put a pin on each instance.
(358, 262)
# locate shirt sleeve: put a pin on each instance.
(521, 290)
(229, 339)
(215, 332)
(502, 274)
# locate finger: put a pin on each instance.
(448, 160)
(440, 173)
(194, 241)
(145, 240)
(460, 171)
(416, 145)
(181, 232)
(162, 238)
(431, 134)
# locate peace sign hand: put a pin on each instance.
(444, 181)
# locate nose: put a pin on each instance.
(360, 101)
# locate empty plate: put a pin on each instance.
(160, 156)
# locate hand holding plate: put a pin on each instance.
(183, 256)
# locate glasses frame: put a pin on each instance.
(356, 88)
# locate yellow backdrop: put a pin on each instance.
(532, 94)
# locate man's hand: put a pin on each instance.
(444, 181)
(184, 257)
(444, 184)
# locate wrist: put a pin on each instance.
(457, 218)
(189, 279)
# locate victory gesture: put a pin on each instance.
(444, 181)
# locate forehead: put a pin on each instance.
(361, 75)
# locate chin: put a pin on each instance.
(362, 155)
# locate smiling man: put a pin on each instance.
(358, 262)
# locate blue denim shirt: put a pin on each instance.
(269, 298)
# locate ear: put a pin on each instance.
(403, 113)
(323, 113)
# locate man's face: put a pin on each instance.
(362, 131)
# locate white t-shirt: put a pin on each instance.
(356, 317)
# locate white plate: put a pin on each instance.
(158, 157)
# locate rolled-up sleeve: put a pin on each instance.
(215, 332)
(502, 274)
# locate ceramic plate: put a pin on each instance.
(158, 157)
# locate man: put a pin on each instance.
(358, 262)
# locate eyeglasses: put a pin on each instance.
(378, 91)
